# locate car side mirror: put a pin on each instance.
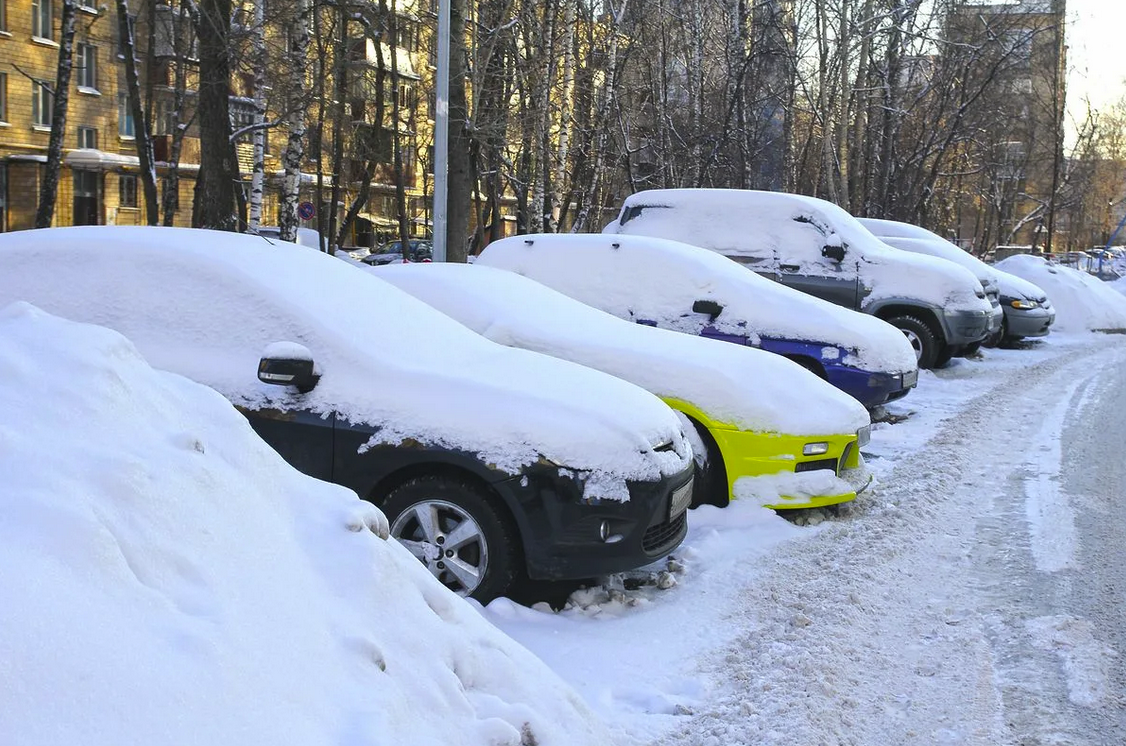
(288, 364)
(834, 252)
(710, 307)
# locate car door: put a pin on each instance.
(813, 259)
(302, 438)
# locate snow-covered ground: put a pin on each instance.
(168, 579)
(865, 628)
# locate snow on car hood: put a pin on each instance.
(206, 304)
(649, 279)
(169, 579)
(912, 238)
(745, 222)
(740, 386)
(1082, 302)
(1012, 286)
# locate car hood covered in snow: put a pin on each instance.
(741, 386)
(739, 222)
(1082, 302)
(169, 579)
(1012, 286)
(647, 279)
(206, 304)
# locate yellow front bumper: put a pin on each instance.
(752, 454)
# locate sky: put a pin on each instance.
(1097, 67)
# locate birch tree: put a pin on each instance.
(48, 190)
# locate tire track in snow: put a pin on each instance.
(872, 631)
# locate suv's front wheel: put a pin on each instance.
(926, 345)
(465, 541)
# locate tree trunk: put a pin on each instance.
(218, 171)
(258, 61)
(295, 119)
(142, 128)
(49, 189)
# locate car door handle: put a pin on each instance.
(789, 267)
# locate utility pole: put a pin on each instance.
(442, 132)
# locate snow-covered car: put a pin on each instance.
(1028, 310)
(917, 240)
(490, 462)
(418, 250)
(816, 247)
(756, 413)
(1081, 302)
(689, 289)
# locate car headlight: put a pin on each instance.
(864, 436)
(815, 449)
(1024, 305)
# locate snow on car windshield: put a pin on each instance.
(206, 305)
(1082, 302)
(647, 279)
(741, 386)
(792, 229)
(169, 579)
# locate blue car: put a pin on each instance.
(672, 285)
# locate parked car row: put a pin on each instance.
(555, 409)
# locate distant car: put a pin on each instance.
(688, 289)
(312, 239)
(816, 247)
(915, 239)
(756, 413)
(490, 463)
(1028, 311)
(392, 253)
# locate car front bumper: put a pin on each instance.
(963, 328)
(869, 388)
(1032, 322)
(562, 531)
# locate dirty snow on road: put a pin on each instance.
(972, 596)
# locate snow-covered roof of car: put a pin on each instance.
(1082, 302)
(738, 222)
(918, 240)
(169, 579)
(649, 279)
(206, 304)
(741, 386)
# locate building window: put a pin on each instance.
(42, 25)
(86, 197)
(3, 27)
(3, 95)
(242, 115)
(42, 102)
(127, 190)
(88, 66)
(3, 196)
(125, 116)
(87, 137)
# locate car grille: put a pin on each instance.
(829, 464)
(664, 534)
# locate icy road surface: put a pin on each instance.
(975, 596)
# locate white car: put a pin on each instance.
(491, 463)
(688, 289)
(756, 413)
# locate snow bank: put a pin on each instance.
(643, 278)
(791, 229)
(168, 579)
(740, 386)
(206, 304)
(1082, 302)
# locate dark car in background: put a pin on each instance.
(418, 250)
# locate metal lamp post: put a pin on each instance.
(442, 131)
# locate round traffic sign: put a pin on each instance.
(306, 211)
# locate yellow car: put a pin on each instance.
(769, 429)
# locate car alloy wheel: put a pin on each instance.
(456, 533)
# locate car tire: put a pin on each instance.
(425, 512)
(922, 338)
(709, 485)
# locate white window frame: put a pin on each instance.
(42, 104)
(42, 20)
(87, 137)
(122, 180)
(125, 116)
(87, 68)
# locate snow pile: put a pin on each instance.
(767, 227)
(168, 579)
(648, 279)
(777, 489)
(735, 385)
(206, 304)
(1082, 302)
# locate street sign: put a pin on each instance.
(306, 211)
